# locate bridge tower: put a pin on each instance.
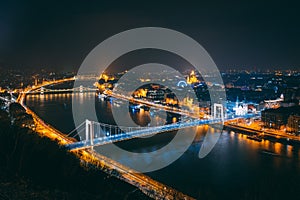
(42, 90)
(80, 88)
(89, 131)
(218, 112)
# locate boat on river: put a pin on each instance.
(254, 137)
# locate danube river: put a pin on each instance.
(236, 168)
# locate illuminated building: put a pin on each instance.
(188, 101)
(140, 93)
(106, 78)
(192, 78)
(293, 125)
(276, 118)
(240, 108)
(156, 95)
(171, 101)
(274, 103)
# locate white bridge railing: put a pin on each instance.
(97, 134)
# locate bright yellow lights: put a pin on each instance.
(140, 93)
(171, 101)
(174, 119)
(192, 78)
(106, 77)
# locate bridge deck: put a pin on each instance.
(137, 133)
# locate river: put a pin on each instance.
(236, 168)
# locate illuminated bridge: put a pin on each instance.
(81, 89)
(97, 134)
(144, 183)
(7, 99)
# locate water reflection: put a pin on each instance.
(148, 118)
(234, 162)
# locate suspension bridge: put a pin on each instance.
(93, 133)
(147, 185)
(80, 89)
(96, 133)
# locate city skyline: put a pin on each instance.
(149, 100)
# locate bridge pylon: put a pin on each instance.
(42, 91)
(89, 131)
(218, 112)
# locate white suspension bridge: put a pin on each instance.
(96, 134)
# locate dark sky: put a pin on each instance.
(58, 35)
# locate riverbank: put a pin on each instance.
(272, 136)
(144, 183)
(35, 167)
(236, 168)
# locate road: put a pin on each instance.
(257, 129)
(147, 131)
(147, 185)
(175, 110)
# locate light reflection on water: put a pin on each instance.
(235, 164)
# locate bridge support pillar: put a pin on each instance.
(89, 131)
(42, 90)
(218, 111)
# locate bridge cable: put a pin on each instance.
(75, 129)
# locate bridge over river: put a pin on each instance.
(98, 134)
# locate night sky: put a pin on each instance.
(58, 35)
